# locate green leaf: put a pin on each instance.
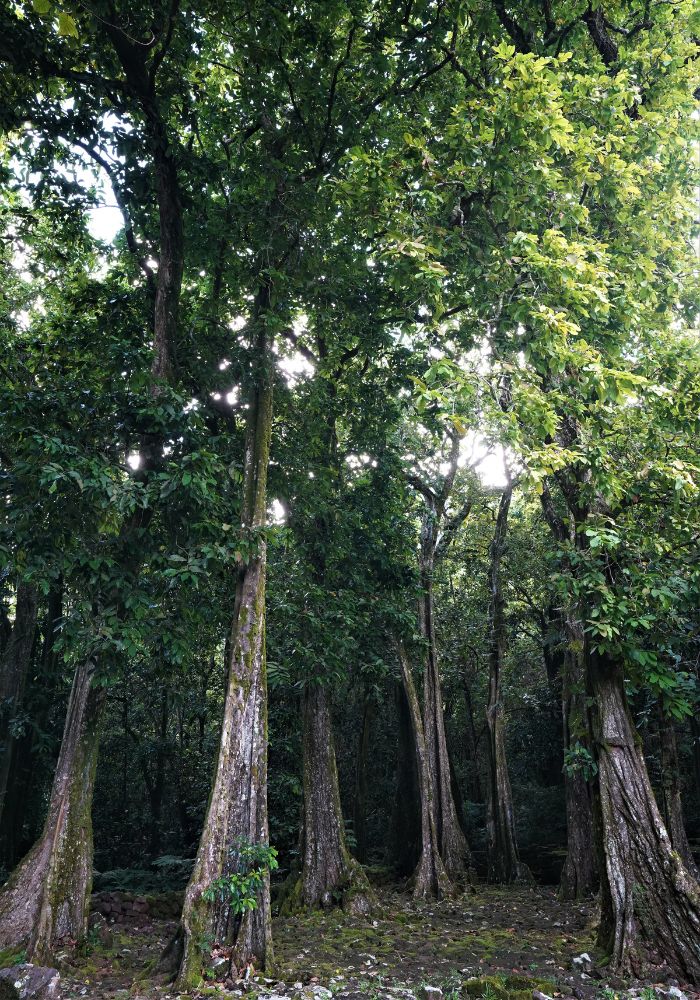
(41, 6)
(66, 25)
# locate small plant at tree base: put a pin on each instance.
(240, 885)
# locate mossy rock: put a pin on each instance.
(503, 987)
(12, 956)
(526, 983)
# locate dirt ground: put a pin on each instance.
(492, 944)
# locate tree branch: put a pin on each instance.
(123, 208)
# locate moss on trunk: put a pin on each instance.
(579, 876)
(430, 879)
(45, 902)
(655, 901)
(454, 849)
(238, 802)
(330, 876)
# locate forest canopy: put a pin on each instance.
(349, 410)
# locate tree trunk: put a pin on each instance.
(502, 848)
(584, 867)
(45, 902)
(431, 879)
(671, 787)
(329, 874)
(454, 849)
(238, 802)
(360, 800)
(579, 877)
(655, 901)
(47, 897)
(13, 674)
(474, 789)
(407, 806)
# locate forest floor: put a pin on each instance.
(495, 944)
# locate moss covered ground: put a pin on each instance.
(492, 944)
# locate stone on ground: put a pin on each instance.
(29, 982)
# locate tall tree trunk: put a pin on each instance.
(584, 868)
(655, 900)
(671, 787)
(328, 870)
(431, 879)
(329, 874)
(360, 798)
(14, 667)
(474, 789)
(405, 820)
(45, 900)
(54, 880)
(238, 802)
(579, 877)
(650, 903)
(454, 849)
(502, 848)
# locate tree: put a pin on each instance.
(46, 898)
(503, 861)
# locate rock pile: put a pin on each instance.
(126, 907)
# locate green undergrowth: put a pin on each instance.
(503, 988)
(12, 956)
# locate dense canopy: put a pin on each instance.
(350, 409)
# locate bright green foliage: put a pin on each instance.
(240, 886)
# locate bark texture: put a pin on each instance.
(431, 879)
(329, 874)
(584, 869)
(45, 901)
(454, 849)
(671, 786)
(504, 864)
(238, 802)
(654, 899)
(14, 666)
(579, 876)
(437, 531)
